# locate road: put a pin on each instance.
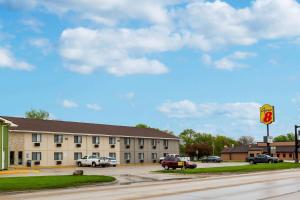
(266, 185)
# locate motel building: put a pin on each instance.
(282, 150)
(52, 142)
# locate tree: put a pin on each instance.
(198, 150)
(246, 140)
(142, 126)
(285, 138)
(188, 136)
(220, 142)
(37, 114)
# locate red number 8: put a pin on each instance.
(268, 117)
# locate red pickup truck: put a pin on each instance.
(175, 162)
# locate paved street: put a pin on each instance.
(264, 185)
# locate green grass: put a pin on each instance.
(49, 182)
(235, 169)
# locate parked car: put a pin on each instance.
(162, 158)
(190, 165)
(173, 163)
(262, 158)
(91, 161)
(112, 161)
(214, 159)
(249, 158)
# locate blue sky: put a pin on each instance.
(206, 65)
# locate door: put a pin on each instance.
(12, 158)
(20, 158)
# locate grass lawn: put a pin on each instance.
(49, 182)
(235, 169)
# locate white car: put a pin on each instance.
(91, 161)
(112, 161)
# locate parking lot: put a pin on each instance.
(127, 174)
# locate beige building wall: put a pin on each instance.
(23, 142)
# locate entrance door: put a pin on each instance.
(20, 158)
(12, 158)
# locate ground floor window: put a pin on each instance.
(141, 156)
(283, 155)
(278, 155)
(77, 155)
(36, 156)
(58, 156)
(154, 156)
(127, 156)
(112, 155)
(290, 155)
(96, 154)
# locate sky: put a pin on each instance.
(173, 64)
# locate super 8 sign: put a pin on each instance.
(267, 114)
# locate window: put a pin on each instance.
(112, 155)
(58, 138)
(141, 141)
(96, 154)
(112, 140)
(127, 156)
(77, 139)
(283, 155)
(154, 156)
(153, 142)
(165, 154)
(96, 139)
(141, 156)
(290, 155)
(166, 143)
(36, 156)
(36, 137)
(58, 156)
(127, 141)
(77, 155)
(251, 154)
(278, 155)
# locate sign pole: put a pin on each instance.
(268, 144)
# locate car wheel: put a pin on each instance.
(251, 162)
(93, 164)
(166, 167)
(270, 161)
(79, 164)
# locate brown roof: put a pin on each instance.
(245, 149)
(37, 125)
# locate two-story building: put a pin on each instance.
(52, 142)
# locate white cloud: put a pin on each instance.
(41, 43)
(94, 107)
(7, 60)
(87, 50)
(247, 113)
(180, 109)
(66, 103)
(33, 24)
(229, 62)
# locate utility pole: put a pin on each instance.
(268, 144)
(296, 144)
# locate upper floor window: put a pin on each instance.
(127, 141)
(77, 139)
(112, 140)
(96, 154)
(58, 138)
(36, 137)
(112, 155)
(96, 139)
(154, 142)
(166, 143)
(141, 141)
(58, 156)
(36, 156)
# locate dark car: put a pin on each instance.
(171, 162)
(262, 158)
(214, 159)
(190, 165)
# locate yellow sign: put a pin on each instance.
(267, 114)
(180, 164)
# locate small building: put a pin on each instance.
(4, 126)
(53, 142)
(282, 150)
